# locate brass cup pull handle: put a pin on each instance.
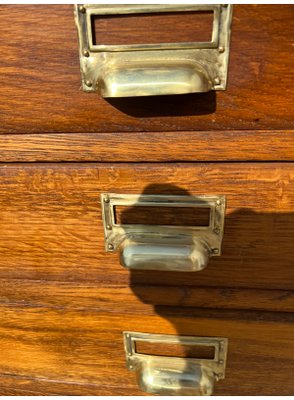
(164, 247)
(153, 69)
(164, 255)
(165, 375)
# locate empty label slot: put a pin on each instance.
(154, 215)
(175, 350)
(153, 28)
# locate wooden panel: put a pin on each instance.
(51, 224)
(175, 350)
(86, 347)
(144, 215)
(118, 298)
(15, 385)
(150, 146)
(40, 79)
(152, 28)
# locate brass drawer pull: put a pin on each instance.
(164, 247)
(153, 69)
(174, 375)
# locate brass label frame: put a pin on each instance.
(211, 370)
(114, 233)
(163, 247)
(132, 70)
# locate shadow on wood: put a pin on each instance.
(161, 106)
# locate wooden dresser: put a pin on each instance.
(64, 300)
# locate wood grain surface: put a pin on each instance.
(40, 79)
(152, 28)
(15, 385)
(51, 225)
(116, 298)
(64, 301)
(158, 216)
(149, 146)
(85, 347)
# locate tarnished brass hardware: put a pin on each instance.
(153, 69)
(164, 247)
(164, 375)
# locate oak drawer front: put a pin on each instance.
(40, 79)
(77, 349)
(51, 224)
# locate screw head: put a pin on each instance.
(221, 362)
(221, 49)
(89, 83)
(215, 251)
(108, 227)
(86, 53)
(106, 200)
(82, 9)
(218, 202)
(217, 81)
(110, 246)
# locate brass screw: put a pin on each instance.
(82, 9)
(89, 83)
(218, 202)
(220, 362)
(110, 246)
(109, 227)
(106, 200)
(86, 53)
(221, 49)
(215, 251)
(217, 81)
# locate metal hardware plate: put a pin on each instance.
(114, 233)
(153, 69)
(176, 375)
(163, 247)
